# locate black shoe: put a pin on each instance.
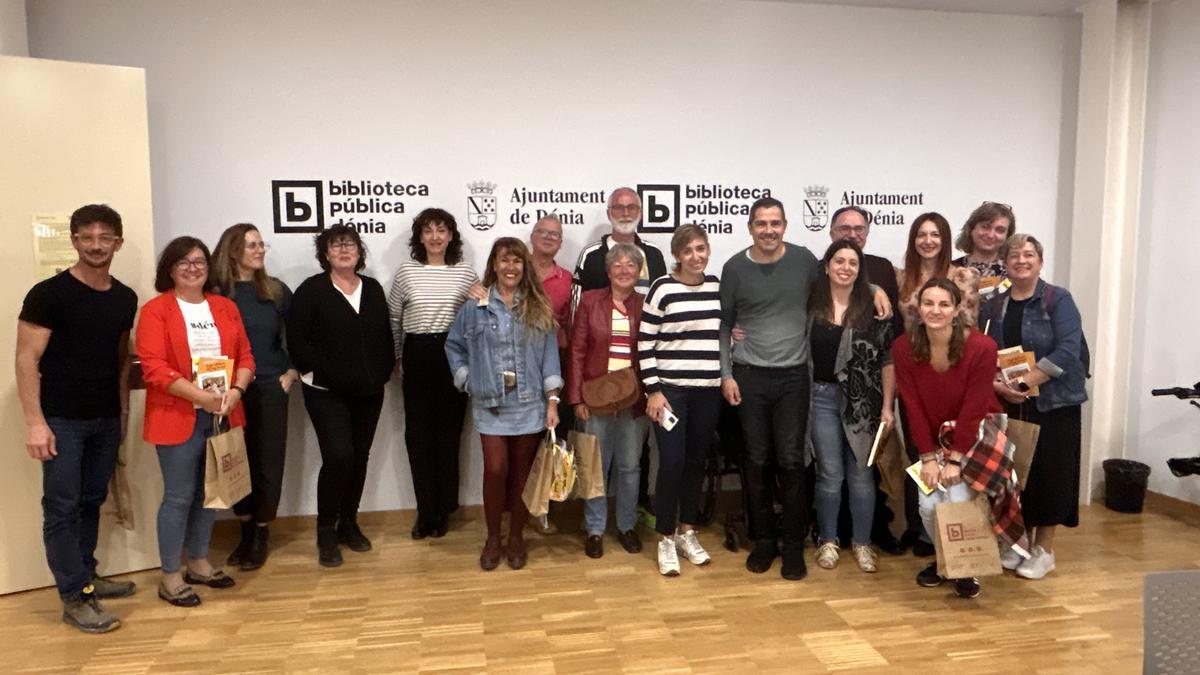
(239, 552)
(328, 552)
(420, 528)
(630, 541)
(762, 556)
(594, 546)
(923, 549)
(928, 577)
(967, 588)
(218, 579)
(908, 539)
(887, 543)
(349, 534)
(793, 567)
(440, 526)
(256, 555)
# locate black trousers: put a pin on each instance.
(433, 420)
(681, 455)
(345, 427)
(774, 415)
(266, 406)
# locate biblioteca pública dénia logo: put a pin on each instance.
(303, 206)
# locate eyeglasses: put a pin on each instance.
(625, 207)
(197, 264)
(856, 229)
(344, 244)
(257, 246)
(89, 240)
(548, 234)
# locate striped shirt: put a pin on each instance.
(678, 343)
(620, 344)
(425, 298)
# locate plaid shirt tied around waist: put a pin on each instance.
(987, 468)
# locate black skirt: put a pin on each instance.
(1050, 495)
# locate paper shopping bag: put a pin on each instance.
(966, 544)
(564, 473)
(589, 465)
(536, 494)
(1024, 435)
(890, 462)
(226, 469)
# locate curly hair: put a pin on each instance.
(433, 216)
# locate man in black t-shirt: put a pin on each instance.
(72, 361)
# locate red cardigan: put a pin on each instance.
(591, 332)
(162, 346)
(963, 393)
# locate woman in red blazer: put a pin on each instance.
(603, 340)
(183, 322)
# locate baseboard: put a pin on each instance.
(1174, 507)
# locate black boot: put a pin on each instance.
(328, 552)
(793, 568)
(349, 534)
(256, 554)
(239, 553)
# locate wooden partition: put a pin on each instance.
(72, 134)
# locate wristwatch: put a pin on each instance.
(239, 388)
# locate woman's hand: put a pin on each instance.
(951, 474)
(581, 412)
(229, 401)
(210, 401)
(287, 379)
(931, 473)
(551, 414)
(655, 406)
(1006, 392)
(887, 419)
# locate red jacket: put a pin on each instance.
(162, 345)
(591, 331)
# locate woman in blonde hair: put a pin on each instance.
(503, 351)
(239, 272)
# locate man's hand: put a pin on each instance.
(883, 306)
(737, 333)
(39, 441)
(731, 392)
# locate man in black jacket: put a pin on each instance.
(624, 213)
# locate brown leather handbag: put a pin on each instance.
(611, 392)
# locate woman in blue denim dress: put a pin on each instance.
(503, 352)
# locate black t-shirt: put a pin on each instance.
(80, 368)
(1013, 317)
(825, 338)
(264, 320)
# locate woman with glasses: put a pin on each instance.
(981, 237)
(239, 273)
(426, 294)
(340, 339)
(503, 353)
(183, 323)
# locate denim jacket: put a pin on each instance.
(479, 351)
(1055, 337)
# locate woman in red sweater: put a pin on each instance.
(944, 372)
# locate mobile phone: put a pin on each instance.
(669, 420)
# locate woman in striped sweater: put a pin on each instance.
(425, 297)
(680, 362)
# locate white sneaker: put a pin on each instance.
(668, 562)
(1038, 566)
(690, 547)
(1010, 559)
(827, 555)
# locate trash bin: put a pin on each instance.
(1125, 485)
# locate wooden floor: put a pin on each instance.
(411, 606)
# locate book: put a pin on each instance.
(212, 374)
(990, 286)
(880, 434)
(1014, 363)
(914, 472)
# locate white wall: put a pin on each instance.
(579, 96)
(13, 37)
(1166, 320)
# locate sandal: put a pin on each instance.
(217, 579)
(183, 596)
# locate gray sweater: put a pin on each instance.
(770, 302)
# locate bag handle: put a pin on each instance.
(217, 419)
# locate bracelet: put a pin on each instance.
(553, 398)
(239, 388)
(955, 462)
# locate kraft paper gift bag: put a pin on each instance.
(226, 468)
(589, 465)
(536, 494)
(1024, 435)
(966, 544)
(891, 461)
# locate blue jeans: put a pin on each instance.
(836, 464)
(74, 485)
(928, 502)
(182, 519)
(620, 438)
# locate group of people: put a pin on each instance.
(814, 354)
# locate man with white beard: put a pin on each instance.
(624, 212)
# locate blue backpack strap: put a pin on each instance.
(1085, 354)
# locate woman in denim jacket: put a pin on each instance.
(1042, 318)
(503, 352)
